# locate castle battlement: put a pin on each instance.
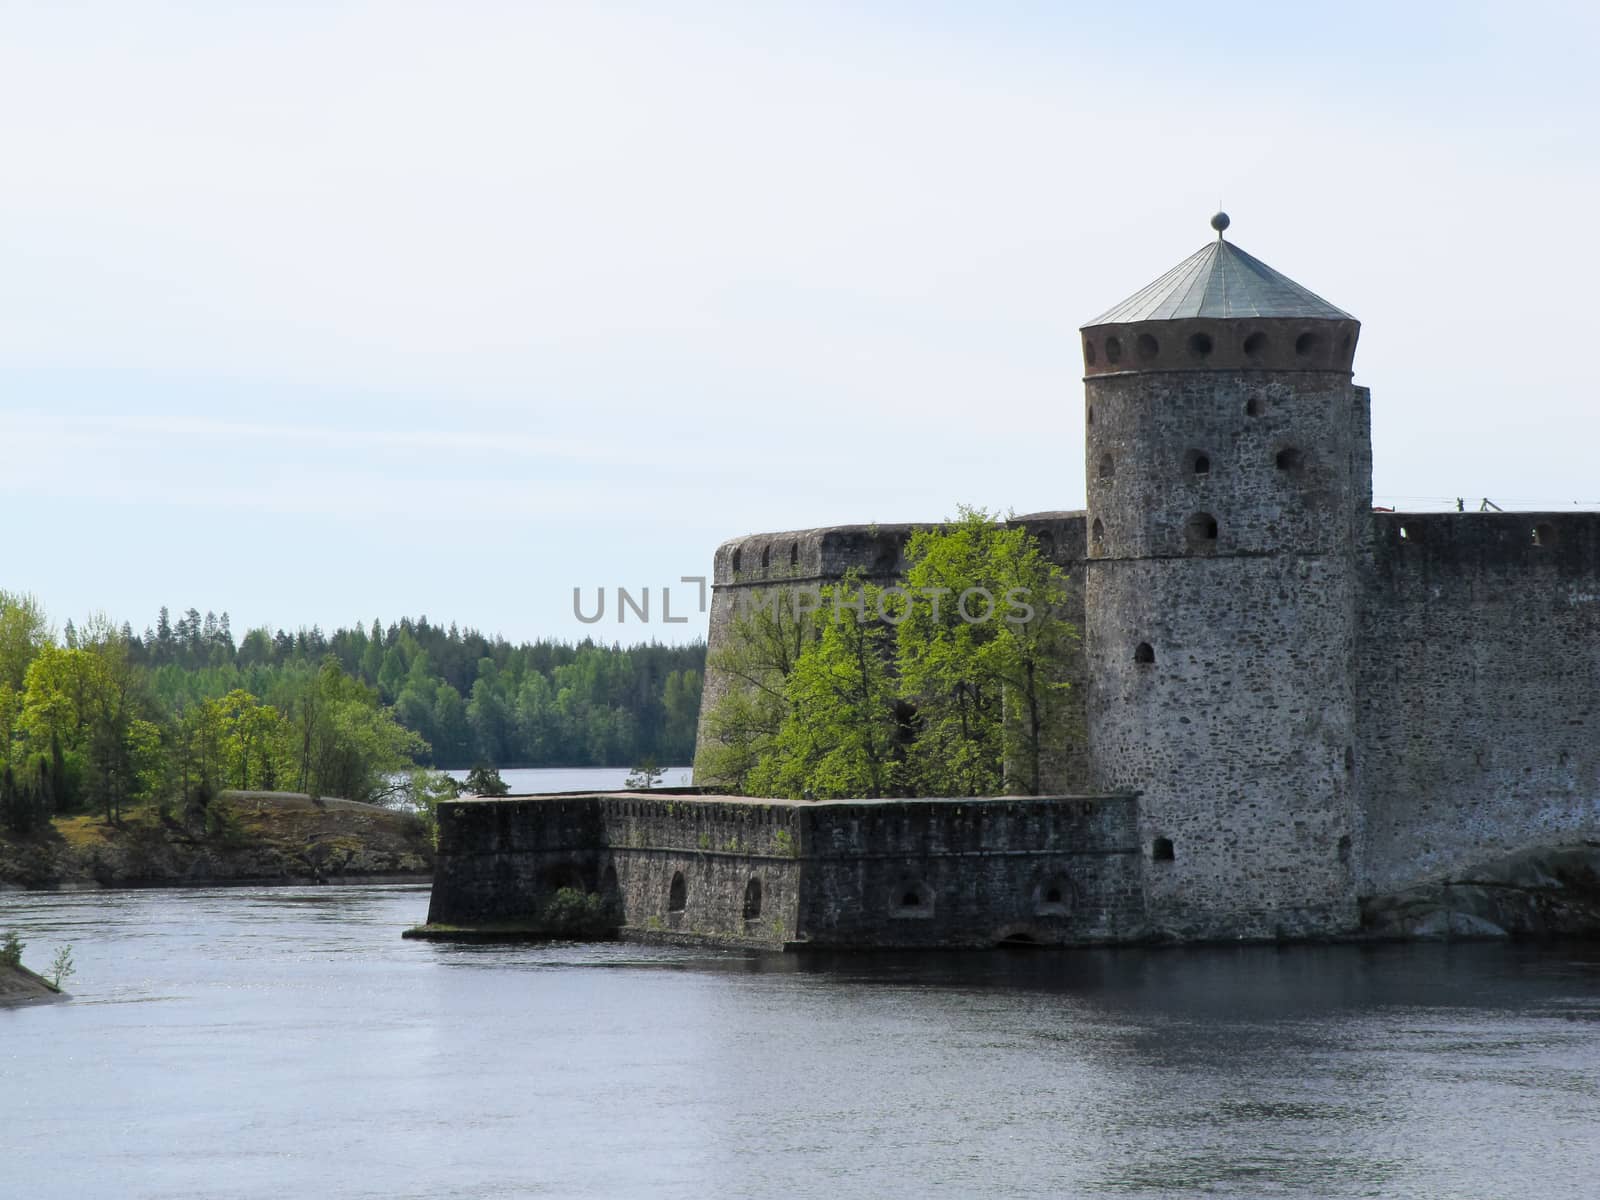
(1316, 702)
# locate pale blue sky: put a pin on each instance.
(316, 313)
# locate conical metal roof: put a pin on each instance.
(1221, 280)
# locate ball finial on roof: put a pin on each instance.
(1220, 222)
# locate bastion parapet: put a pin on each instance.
(777, 874)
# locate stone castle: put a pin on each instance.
(1290, 704)
(1315, 702)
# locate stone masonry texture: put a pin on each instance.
(1313, 703)
(1058, 870)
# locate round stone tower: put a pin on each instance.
(1229, 473)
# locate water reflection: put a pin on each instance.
(266, 1042)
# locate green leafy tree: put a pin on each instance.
(680, 714)
(348, 745)
(983, 665)
(25, 801)
(764, 645)
(490, 718)
(123, 746)
(843, 733)
(425, 791)
(201, 758)
(61, 967)
(23, 633)
(950, 686)
(644, 776)
(450, 726)
(89, 708)
(255, 741)
(484, 780)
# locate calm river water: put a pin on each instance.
(286, 1042)
(577, 779)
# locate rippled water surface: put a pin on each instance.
(286, 1042)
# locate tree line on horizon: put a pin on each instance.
(83, 729)
(102, 719)
(472, 698)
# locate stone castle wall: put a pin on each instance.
(502, 861)
(1316, 703)
(1478, 682)
(1220, 636)
(1051, 870)
(925, 873)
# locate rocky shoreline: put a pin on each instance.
(18, 985)
(1550, 891)
(248, 838)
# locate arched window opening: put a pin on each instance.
(1088, 351)
(1144, 654)
(1161, 850)
(1113, 350)
(562, 877)
(1147, 348)
(752, 899)
(1107, 468)
(1405, 535)
(1097, 536)
(794, 554)
(1201, 532)
(1052, 896)
(913, 898)
(1090, 418)
(1016, 939)
(1307, 344)
(677, 894)
(1199, 462)
(1200, 345)
(1253, 407)
(1255, 345)
(766, 557)
(1544, 534)
(1289, 459)
(736, 557)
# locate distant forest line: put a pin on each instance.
(472, 698)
